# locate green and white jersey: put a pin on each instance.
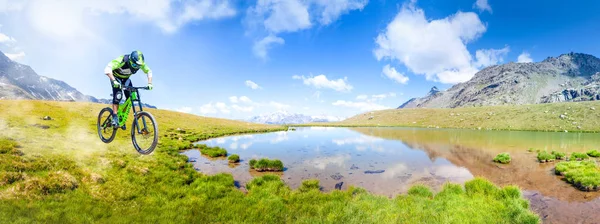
(119, 67)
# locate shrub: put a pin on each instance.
(309, 185)
(420, 191)
(480, 186)
(579, 156)
(8, 146)
(544, 156)
(7, 178)
(563, 167)
(585, 175)
(55, 182)
(266, 165)
(559, 155)
(271, 183)
(235, 158)
(593, 153)
(530, 150)
(212, 151)
(503, 158)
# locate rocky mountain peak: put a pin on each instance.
(433, 91)
(576, 64)
(567, 77)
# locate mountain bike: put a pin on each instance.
(144, 129)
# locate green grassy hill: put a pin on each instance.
(58, 171)
(573, 117)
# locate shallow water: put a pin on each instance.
(411, 156)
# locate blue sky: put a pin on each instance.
(331, 57)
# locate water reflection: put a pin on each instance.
(409, 156)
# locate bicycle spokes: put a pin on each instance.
(144, 133)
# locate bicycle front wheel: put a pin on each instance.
(144, 133)
(106, 131)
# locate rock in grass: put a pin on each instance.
(263, 165)
(578, 156)
(503, 158)
(337, 176)
(339, 185)
(544, 157)
(47, 118)
(593, 153)
(212, 151)
(235, 158)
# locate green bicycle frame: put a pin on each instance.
(125, 108)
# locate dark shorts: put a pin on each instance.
(117, 94)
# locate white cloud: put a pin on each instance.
(279, 106)
(317, 94)
(241, 99)
(482, 5)
(6, 39)
(323, 162)
(184, 110)
(242, 109)
(434, 48)
(245, 99)
(233, 99)
(392, 74)
(260, 48)
(252, 84)
(524, 58)
(11, 5)
(211, 108)
(332, 9)
(281, 16)
(487, 57)
(15, 56)
(66, 18)
(278, 16)
(375, 97)
(208, 108)
(321, 81)
(363, 106)
(362, 97)
(223, 107)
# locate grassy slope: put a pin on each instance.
(65, 174)
(521, 117)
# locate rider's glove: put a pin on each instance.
(149, 86)
(116, 84)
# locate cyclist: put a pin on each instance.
(119, 70)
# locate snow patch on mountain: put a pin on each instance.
(285, 117)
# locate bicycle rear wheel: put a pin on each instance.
(106, 131)
(144, 133)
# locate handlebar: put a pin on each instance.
(130, 88)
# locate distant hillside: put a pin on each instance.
(570, 116)
(18, 81)
(567, 78)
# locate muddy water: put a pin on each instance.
(408, 156)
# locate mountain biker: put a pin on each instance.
(119, 70)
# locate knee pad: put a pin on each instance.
(117, 98)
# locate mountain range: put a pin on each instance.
(566, 78)
(18, 81)
(284, 117)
